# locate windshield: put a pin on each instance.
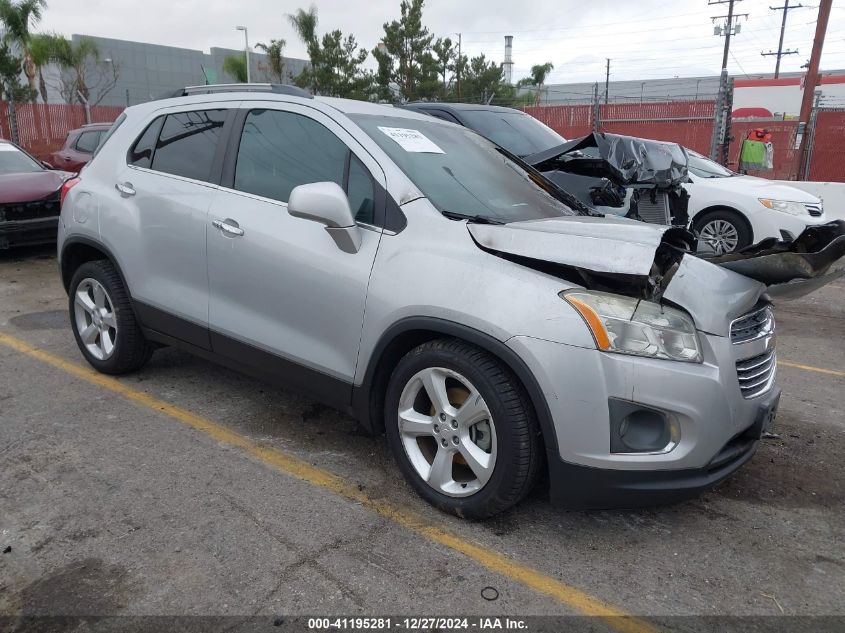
(706, 168)
(517, 132)
(14, 161)
(461, 172)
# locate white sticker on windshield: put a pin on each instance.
(5, 147)
(412, 140)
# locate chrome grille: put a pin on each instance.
(754, 325)
(656, 212)
(756, 375)
(814, 209)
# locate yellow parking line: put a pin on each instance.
(820, 370)
(293, 466)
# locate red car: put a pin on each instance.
(79, 147)
(29, 198)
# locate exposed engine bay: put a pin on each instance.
(621, 175)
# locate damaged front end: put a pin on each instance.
(621, 175)
(640, 261)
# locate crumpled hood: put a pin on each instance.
(607, 245)
(29, 187)
(624, 160)
(657, 262)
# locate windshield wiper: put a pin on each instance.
(475, 219)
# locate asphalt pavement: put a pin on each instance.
(188, 489)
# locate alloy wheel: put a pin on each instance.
(721, 235)
(447, 431)
(95, 318)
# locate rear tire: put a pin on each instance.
(724, 230)
(103, 322)
(474, 449)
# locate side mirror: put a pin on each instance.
(326, 203)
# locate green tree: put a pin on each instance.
(537, 76)
(483, 79)
(335, 69)
(235, 67)
(404, 56)
(275, 67)
(17, 18)
(84, 76)
(10, 72)
(44, 49)
(444, 56)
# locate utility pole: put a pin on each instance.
(607, 82)
(785, 8)
(811, 79)
(730, 28)
(459, 67)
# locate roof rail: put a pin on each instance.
(282, 89)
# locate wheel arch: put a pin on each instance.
(403, 336)
(79, 250)
(723, 207)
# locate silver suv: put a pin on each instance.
(412, 273)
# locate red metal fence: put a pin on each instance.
(690, 123)
(42, 127)
(828, 160)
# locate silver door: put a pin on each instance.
(280, 284)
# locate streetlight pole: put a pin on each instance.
(246, 51)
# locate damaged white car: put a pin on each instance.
(411, 272)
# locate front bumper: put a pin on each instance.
(718, 427)
(783, 225)
(28, 232)
(585, 487)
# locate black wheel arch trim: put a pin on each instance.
(364, 397)
(87, 241)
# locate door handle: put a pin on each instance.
(228, 226)
(125, 188)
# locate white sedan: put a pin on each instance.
(731, 211)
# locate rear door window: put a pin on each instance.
(88, 141)
(141, 154)
(187, 143)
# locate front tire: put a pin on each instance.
(462, 429)
(103, 322)
(724, 230)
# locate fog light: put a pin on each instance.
(638, 429)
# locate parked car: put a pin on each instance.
(609, 173)
(728, 210)
(731, 211)
(29, 198)
(412, 273)
(79, 147)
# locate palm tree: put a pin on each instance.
(539, 72)
(275, 57)
(305, 24)
(17, 17)
(43, 48)
(74, 57)
(235, 67)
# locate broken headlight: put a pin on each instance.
(631, 326)
(784, 206)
